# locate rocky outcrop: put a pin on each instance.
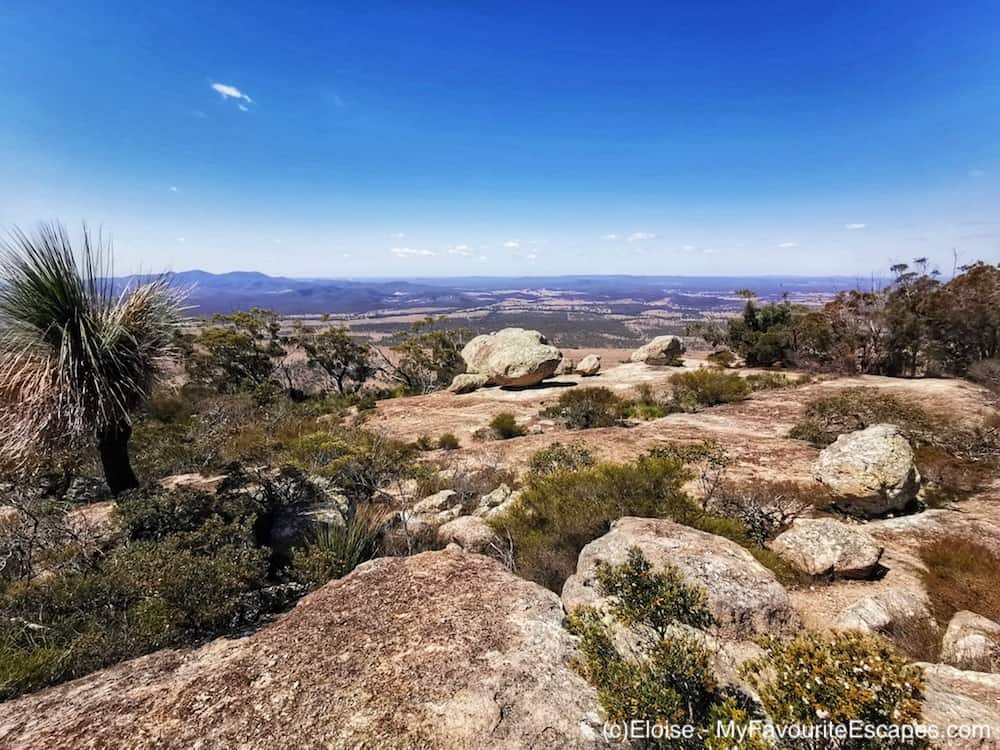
(566, 366)
(897, 614)
(825, 547)
(439, 501)
(589, 366)
(194, 482)
(512, 357)
(972, 642)
(953, 697)
(871, 471)
(663, 350)
(471, 533)
(496, 501)
(743, 595)
(443, 650)
(468, 382)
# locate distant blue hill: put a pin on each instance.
(239, 290)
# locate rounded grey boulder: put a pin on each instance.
(871, 471)
(825, 547)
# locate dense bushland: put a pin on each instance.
(917, 324)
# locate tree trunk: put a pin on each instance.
(112, 444)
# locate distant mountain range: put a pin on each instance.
(236, 290)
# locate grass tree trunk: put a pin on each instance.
(112, 444)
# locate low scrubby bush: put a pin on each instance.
(560, 457)
(852, 409)
(668, 678)
(765, 508)
(707, 387)
(585, 408)
(655, 599)
(723, 359)
(177, 590)
(769, 381)
(838, 678)
(448, 442)
(504, 426)
(424, 443)
(557, 514)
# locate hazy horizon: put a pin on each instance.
(683, 139)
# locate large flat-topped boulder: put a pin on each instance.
(743, 595)
(512, 357)
(443, 649)
(871, 471)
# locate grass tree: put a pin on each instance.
(79, 354)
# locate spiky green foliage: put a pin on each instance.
(337, 550)
(77, 354)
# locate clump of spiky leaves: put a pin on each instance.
(78, 354)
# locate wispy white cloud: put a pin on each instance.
(609, 236)
(231, 92)
(855, 226)
(531, 257)
(788, 244)
(688, 248)
(977, 173)
(483, 259)
(512, 243)
(462, 250)
(397, 235)
(173, 189)
(412, 252)
(181, 240)
(639, 236)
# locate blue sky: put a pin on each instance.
(457, 138)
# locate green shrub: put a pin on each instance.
(448, 442)
(768, 381)
(557, 514)
(706, 387)
(194, 567)
(359, 461)
(152, 514)
(671, 684)
(504, 426)
(560, 457)
(337, 550)
(723, 359)
(839, 678)
(645, 412)
(146, 596)
(852, 409)
(669, 679)
(656, 599)
(424, 443)
(585, 408)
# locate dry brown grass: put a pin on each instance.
(961, 575)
